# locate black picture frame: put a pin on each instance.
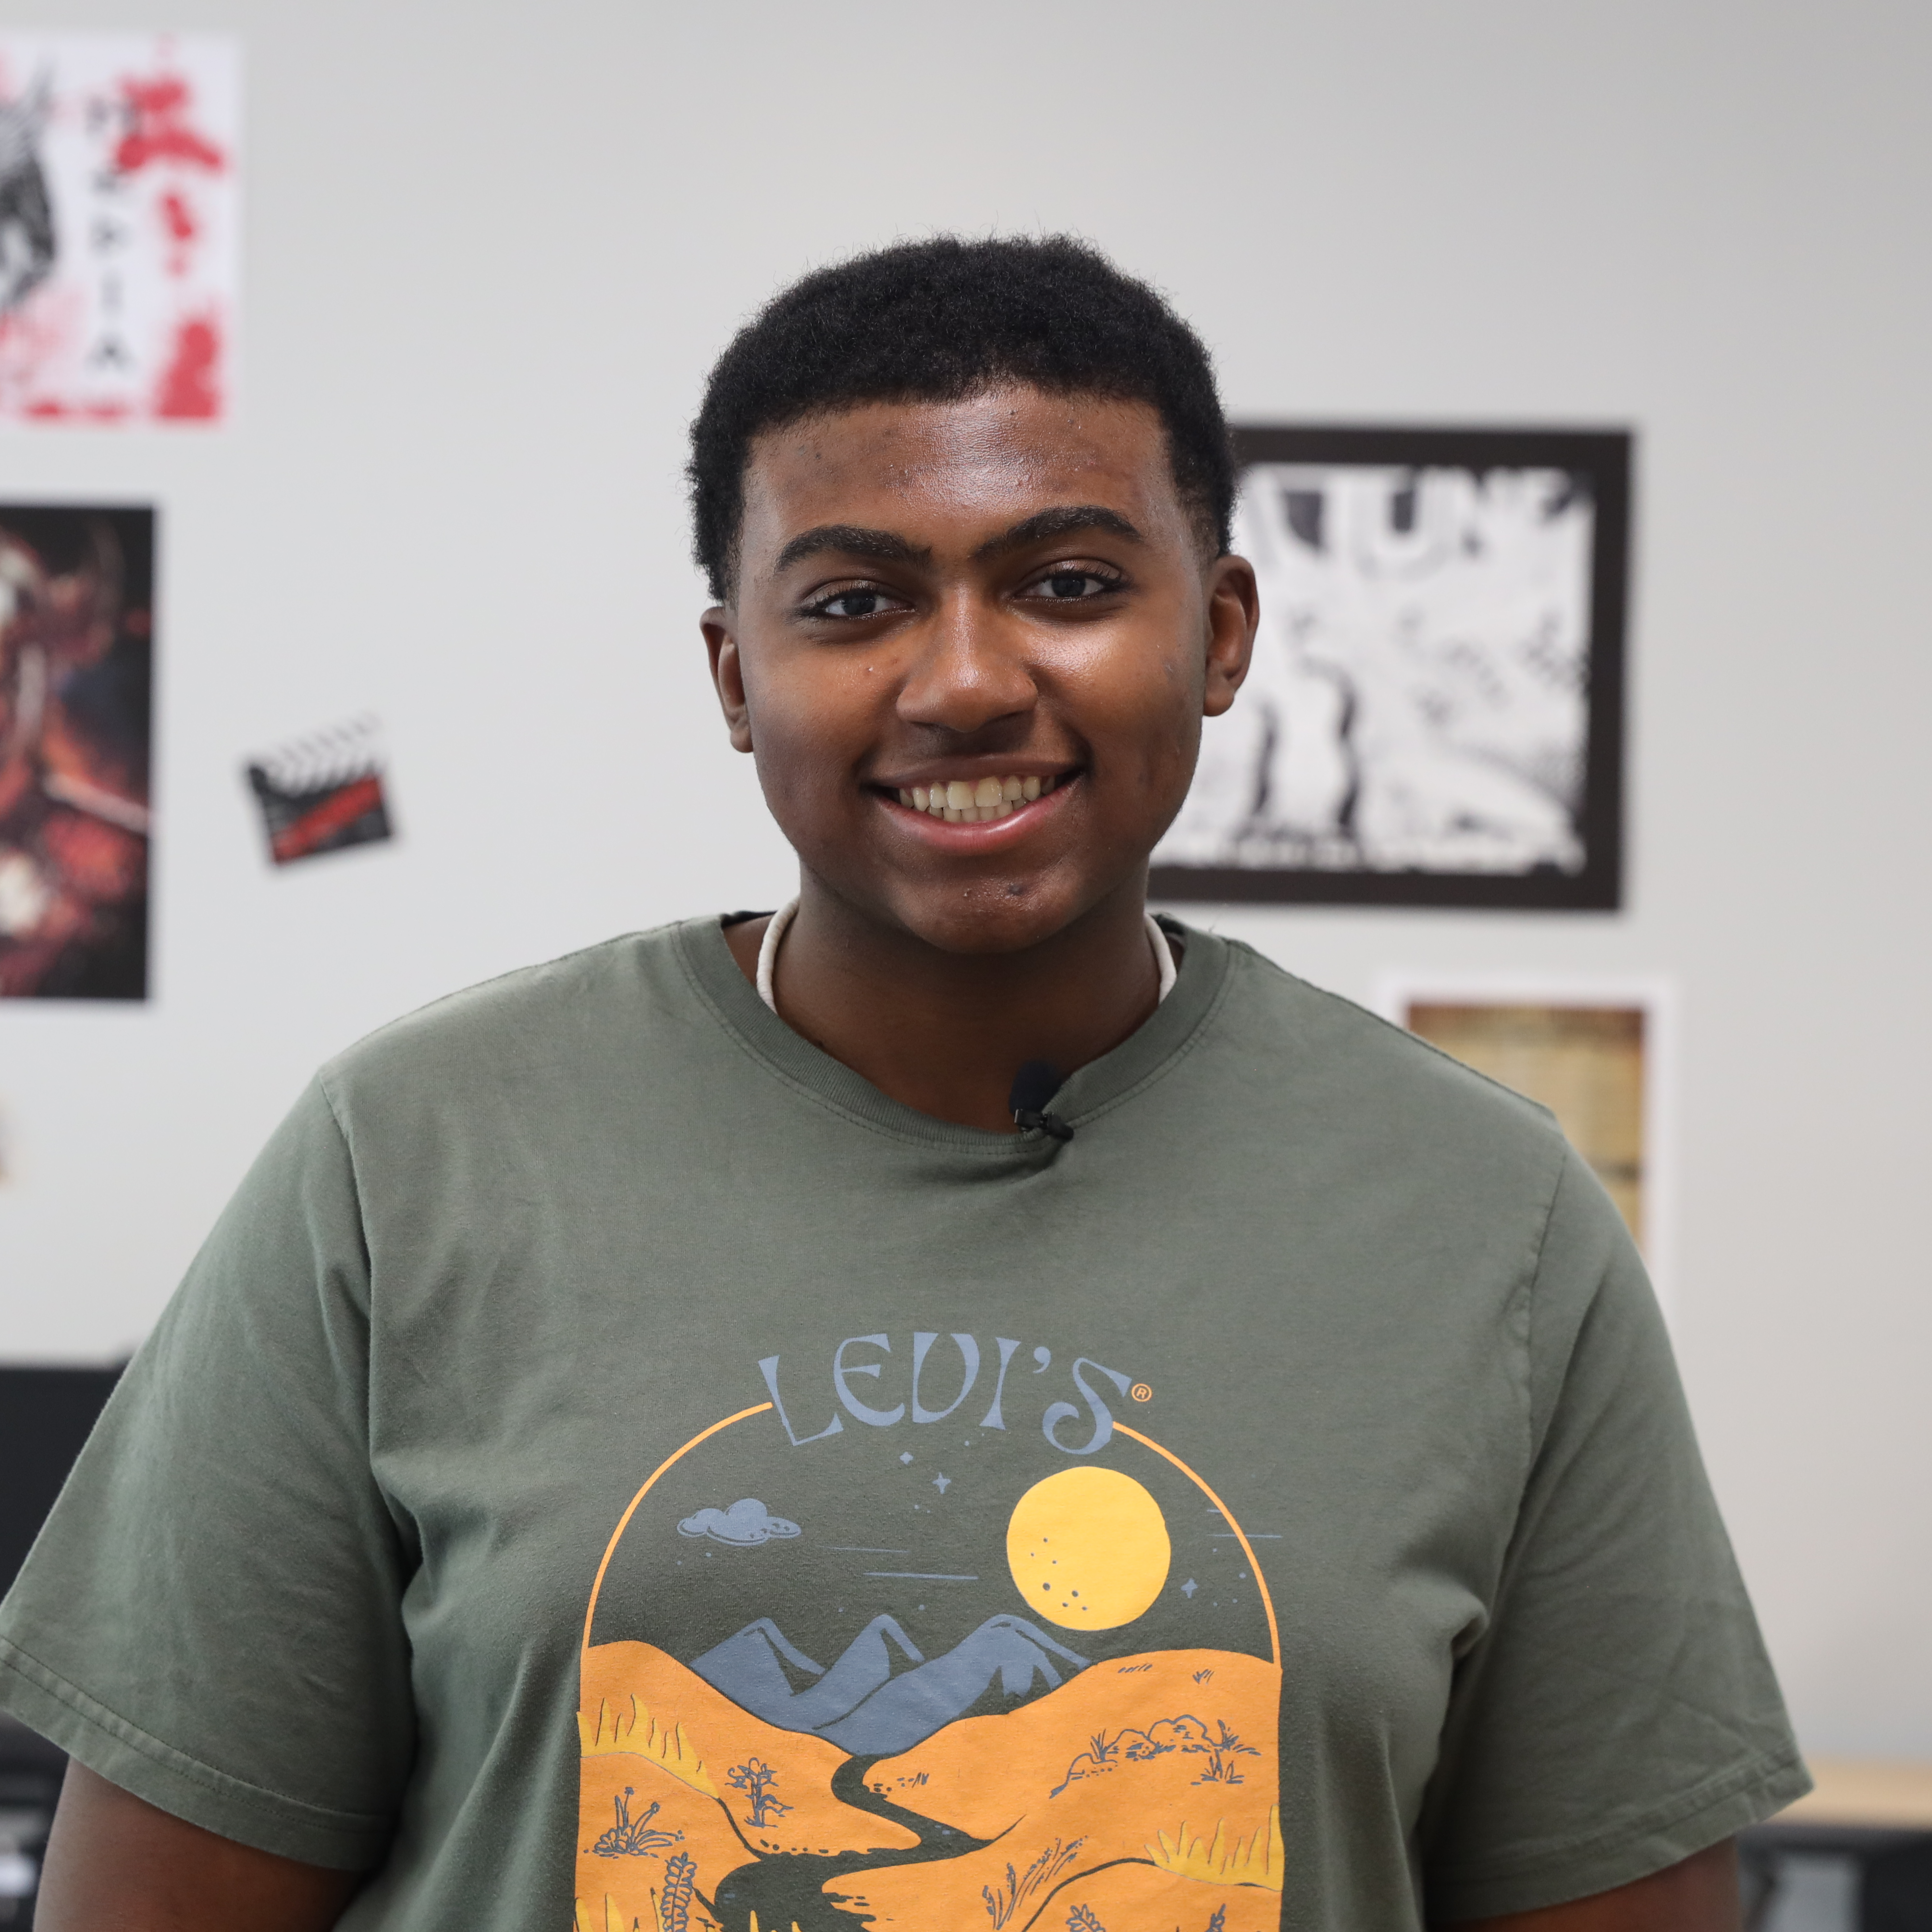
(1599, 460)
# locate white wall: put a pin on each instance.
(491, 250)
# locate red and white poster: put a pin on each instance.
(119, 226)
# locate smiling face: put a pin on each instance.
(970, 646)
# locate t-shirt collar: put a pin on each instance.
(1114, 1080)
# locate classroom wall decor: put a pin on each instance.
(119, 226)
(322, 793)
(76, 666)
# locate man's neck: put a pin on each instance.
(944, 1033)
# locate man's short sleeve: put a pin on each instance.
(211, 1618)
(1618, 1713)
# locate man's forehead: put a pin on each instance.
(1006, 452)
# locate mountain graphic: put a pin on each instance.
(772, 1679)
(882, 1696)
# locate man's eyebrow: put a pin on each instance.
(1059, 522)
(855, 540)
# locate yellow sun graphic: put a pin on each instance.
(1088, 1548)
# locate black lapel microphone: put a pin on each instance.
(1033, 1085)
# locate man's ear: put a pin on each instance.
(727, 673)
(1234, 612)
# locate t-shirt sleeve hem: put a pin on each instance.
(1719, 1807)
(184, 1787)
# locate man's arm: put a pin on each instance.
(1700, 1895)
(114, 1859)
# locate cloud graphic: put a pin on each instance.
(745, 1524)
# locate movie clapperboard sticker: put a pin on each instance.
(323, 793)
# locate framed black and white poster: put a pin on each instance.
(1435, 714)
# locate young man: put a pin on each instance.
(684, 1436)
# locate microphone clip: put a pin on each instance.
(1033, 1085)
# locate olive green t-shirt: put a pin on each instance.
(612, 1467)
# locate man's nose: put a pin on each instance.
(971, 670)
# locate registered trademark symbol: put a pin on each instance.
(1141, 1392)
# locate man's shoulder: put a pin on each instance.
(1339, 1119)
(565, 1016)
(1353, 1067)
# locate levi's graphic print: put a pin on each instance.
(939, 1634)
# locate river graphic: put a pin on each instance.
(786, 1888)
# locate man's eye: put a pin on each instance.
(1073, 587)
(849, 605)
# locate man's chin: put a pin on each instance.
(991, 918)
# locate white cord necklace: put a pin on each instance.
(768, 953)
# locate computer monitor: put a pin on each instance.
(45, 1415)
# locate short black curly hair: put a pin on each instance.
(936, 320)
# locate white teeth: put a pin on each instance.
(974, 801)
